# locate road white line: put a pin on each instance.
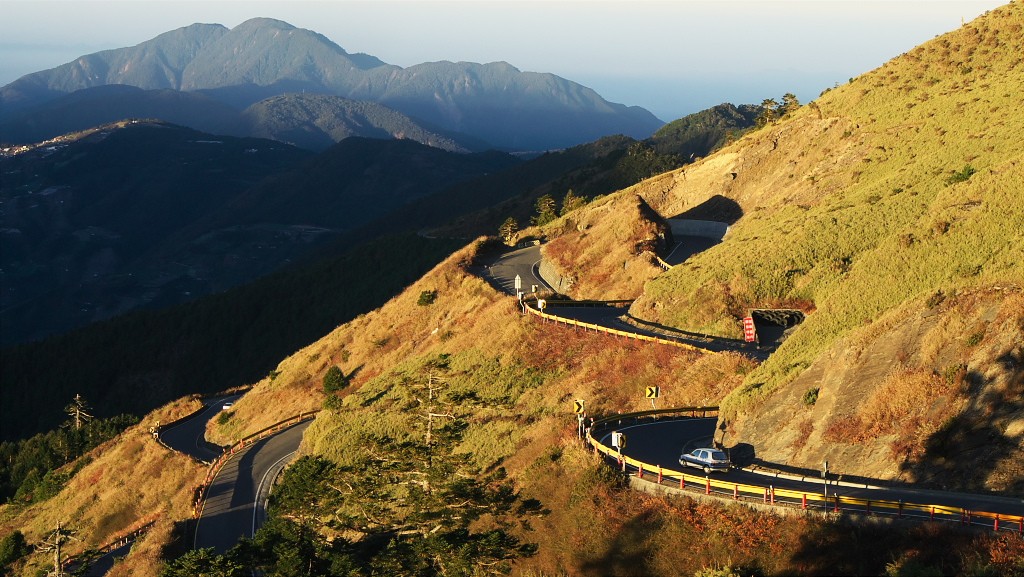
(535, 271)
(259, 490)
(620, 429)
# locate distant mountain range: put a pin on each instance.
(217, 73)
(310, 121)
(147, 214)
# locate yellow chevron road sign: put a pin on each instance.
(653, 392)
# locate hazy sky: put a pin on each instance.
(671, 57)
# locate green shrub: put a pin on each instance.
(334, 380)
(12, 548)
(964, 174)
(427, 298)
(811, 396)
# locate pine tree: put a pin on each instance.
(769, 112)
(508, 229)
(572, 202)
(546, 212)
(789, 104)
(411, 497)
(334, 380)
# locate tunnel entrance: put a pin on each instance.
(773, 325)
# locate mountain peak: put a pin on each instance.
(264, 57)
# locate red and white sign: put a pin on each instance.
(749, 333)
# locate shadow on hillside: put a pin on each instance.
(355, 371)
(968, 449)
(742, 454)
(840, 547)
(628, 552)
(703, 341)
(717, 208)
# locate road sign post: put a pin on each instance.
(578, 408)
(652, 393)
(749, 331)
(824, 475)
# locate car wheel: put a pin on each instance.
(707, 470)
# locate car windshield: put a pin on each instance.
(718, 455)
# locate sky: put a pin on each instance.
(672, 57)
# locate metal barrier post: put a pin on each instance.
(766, 494)
(659, 474)
(803, 502)
(772, 490)
(899, 510)
(682, 482)
(640, 471)
(995, 525)
(735, 491)
(836, 510)
(931, 517)
(707, 490)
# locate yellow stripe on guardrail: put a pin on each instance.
(770, 493)
(616, 332)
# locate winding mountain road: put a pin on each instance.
(660, 443)
(235, 501)
(501, 271)
(189, 436)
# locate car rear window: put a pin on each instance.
(718, 456)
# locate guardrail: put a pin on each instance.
(120, 540)
(660, 262)
(199, 499)
(611, 331)
(787, 497)
(589, 303)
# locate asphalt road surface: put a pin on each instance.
(232, 508)
(661, 442)
(501, 271)
(189, 436)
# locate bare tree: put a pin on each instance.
(78, 410)
(53, 544)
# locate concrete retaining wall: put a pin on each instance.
(550, 274)
(701, 228)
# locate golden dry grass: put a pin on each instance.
(131, 481)
(846, 209)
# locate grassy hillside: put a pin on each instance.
(872, 204)
(888, 210)
(107, 499)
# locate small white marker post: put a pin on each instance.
(824, 475)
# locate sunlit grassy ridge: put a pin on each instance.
(864, 205)
(856, 208)
(859, 208)
(864, 199)
(127, 482)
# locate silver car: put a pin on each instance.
(706, 458)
